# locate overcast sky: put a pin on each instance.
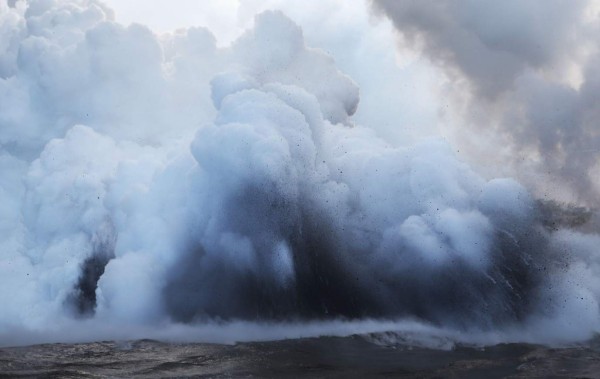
(167, 15)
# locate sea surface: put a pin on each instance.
(358, 356)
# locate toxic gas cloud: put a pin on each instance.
(163, 182)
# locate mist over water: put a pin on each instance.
(160, 185)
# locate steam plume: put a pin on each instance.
(150, 180)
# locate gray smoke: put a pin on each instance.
(531, 76)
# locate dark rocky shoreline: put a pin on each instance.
(326, 357)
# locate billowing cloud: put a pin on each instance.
(153, 180)
(527, 73)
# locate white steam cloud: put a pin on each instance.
(156, 181)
